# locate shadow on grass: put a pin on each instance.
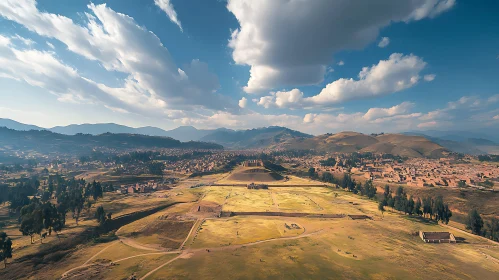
(420, 219)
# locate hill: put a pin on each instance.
(254, 174)
(190, 133)
(8, 123)
(181, 133)
(348, 142)
(461, 144)
(265, 137)
(49, 142)
(94, 129)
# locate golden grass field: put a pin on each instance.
(264, 247)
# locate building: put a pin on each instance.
(437, 237)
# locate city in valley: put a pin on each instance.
(249, 139)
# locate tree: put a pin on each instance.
(45, 196)
(381, 207)
(31, 219)
(447, 214)
(441, 210)
(311, 172)
(417, 208)
(156, 168)
(328, 162)
(387, 192)
(358, 189)
(370, 189)
(461, 184)
(328, 177)
(474, 222)
(409, 207)
(5, 248)
(101, 216)
(4, 193)
(347, 182)
(96, 190)
(76, 202)
(428, 207)
(492, 230)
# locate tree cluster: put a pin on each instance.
(368, 189)
(476, 224)
(75, 195)
(5, 248)
(328, 162)
(18, 195)
(429, 207)
(101, 216)
(156, 168)
(41, 218)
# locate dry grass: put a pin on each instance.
(242, 199)
(241, 230)
(345, 249)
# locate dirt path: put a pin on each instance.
(92, 257)
(316, 204)
(85, 265)
(274, 201)
(189, 252)
(184, 253)
(132, 243)
(195, 225)
(161, 266)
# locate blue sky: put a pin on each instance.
(321, 66)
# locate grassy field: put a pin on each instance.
(242, 199)
(262, 247)
(344, 249)
(241, 230)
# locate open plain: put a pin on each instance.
(282, 232)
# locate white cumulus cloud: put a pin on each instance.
(291, 42)
(384, 42)
(243, 102)
(395, 74)
(429, 77)
(118, 43)
(167, 7)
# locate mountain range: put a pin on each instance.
(44, 141)
(282, 137)
(349, 141)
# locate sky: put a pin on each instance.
(315, 66)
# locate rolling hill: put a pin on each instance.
(181, 133)
(48, 142)
(348, 142)
(461, 144)
(266, 137)
(8, 123)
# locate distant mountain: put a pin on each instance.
(182, 133)
(461, 136)
(348, 142)
(461, 144)
(481, 142)
(8, 123)
(188, 133)
(266, 137)
(49, 142)
(94, 129)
